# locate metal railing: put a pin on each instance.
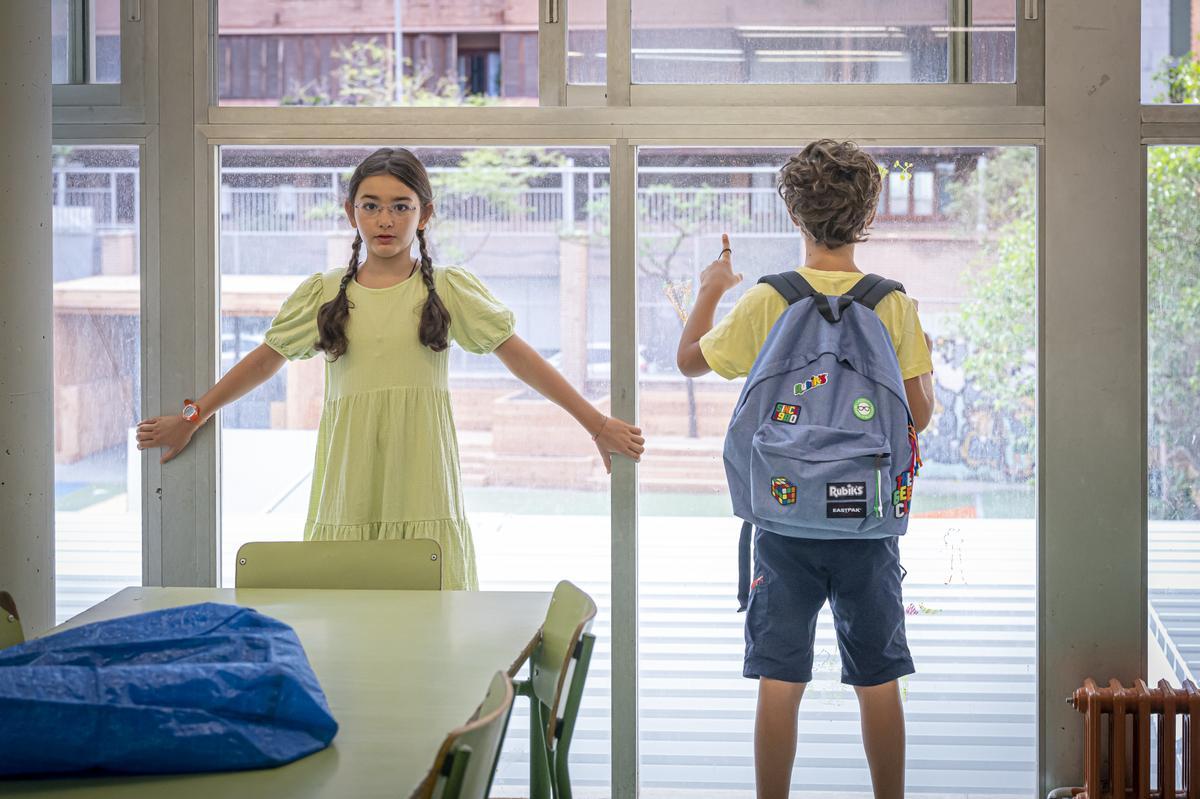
(114, 202)
(302, 200)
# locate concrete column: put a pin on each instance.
(26, 376)
(1092, 519)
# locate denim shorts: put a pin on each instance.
(792, 579)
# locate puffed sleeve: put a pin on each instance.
(293, 331)
(479, 322)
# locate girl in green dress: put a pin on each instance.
(387, 455)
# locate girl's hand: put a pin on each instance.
(719, 275)
(621, 438)
(172, 432)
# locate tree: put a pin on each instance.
(997, 324)
(365, 75)
(672, 216)
(1173, 312)
(1173, 316)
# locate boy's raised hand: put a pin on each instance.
(719, 275)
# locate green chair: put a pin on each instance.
(466, 762)
(10, 622)
(558, 669)
(407, 564)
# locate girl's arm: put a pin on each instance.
(610, 435)
(174, 432)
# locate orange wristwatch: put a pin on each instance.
(191, 412)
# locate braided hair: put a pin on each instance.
(434, 327)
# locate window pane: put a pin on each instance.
(338, 52)
(1173, 294)
(103, 22)
(60, 41)
(969, 550)
(821, 42)
(97, 374)
(587, 57)
(530, 223)
(1170, 71)
(106, 41)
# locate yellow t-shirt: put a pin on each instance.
(732, 345)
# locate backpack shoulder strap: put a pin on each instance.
(793, 287)
(870, 289)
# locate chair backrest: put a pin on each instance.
(11, 633)
(569, 616)
(408, 564)
(467, 760)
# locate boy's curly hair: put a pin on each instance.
(830, 189)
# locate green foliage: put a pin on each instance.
(997, 322)
(1181, 78)
(1173, 294)
(999, 330)
(497, 175)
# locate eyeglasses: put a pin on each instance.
(371, 210)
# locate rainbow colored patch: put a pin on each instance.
(811, 383)
(785, 413)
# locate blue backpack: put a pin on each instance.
(821, 443)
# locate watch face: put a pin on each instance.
(189, 412)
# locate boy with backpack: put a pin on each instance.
(821, 454)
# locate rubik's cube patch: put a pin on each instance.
(783, 491)
(788, 414)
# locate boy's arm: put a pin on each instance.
(920, 399)
(919, 391)
(716, 279)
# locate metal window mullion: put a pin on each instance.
(552, 52)
(150, 247)
(77, 50)
(624, 490)
(1031, 56)
(208, 66)
(618, 50)
(959, 42)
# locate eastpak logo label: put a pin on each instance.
(846, 510)
(834, 491)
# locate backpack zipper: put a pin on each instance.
(878, 488)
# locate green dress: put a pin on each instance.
(387, 456)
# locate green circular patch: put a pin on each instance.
(864, 409)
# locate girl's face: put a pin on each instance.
(387, 213)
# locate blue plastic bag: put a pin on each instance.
(205, 687)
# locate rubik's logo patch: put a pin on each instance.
(811, 383)
(788, 414)
(783, 491)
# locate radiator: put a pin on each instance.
(1117, 734)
